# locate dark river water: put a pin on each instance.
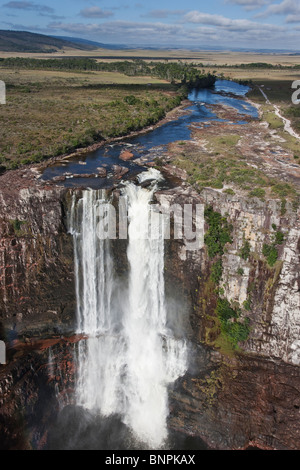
(151, 144)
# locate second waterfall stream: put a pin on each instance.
(129, 356)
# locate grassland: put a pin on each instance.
(208, 58)
(222, 165)
(51, 113)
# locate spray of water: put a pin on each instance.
(130, 357)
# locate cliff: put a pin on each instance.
(36, 257)
(239, 391)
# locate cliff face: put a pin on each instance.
(36, 257)
(272, 291)
(233, 395)
(34, 385)
(244, 394)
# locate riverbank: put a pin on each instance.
(174, 114)
(50, 114)
(246, 159)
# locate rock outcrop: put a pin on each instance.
(36, 257)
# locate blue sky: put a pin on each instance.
(262, 24)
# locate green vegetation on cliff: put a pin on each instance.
(218, 233)
(231, 325)
(232, 328)
(269, 250)
(245, 250)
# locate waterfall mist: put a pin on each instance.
(129, 356)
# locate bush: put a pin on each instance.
(17, 226)
(279, 238)
(216, 271)
(270, 252)
(247, 304)
(229, 191)
(245, 250)
(234, 330)
(131, 100)
(257, 192)
(218, 233)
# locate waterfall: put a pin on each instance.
(129, 357)
(101, 355)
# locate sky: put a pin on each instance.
(250, 24)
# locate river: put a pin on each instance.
(151, 144)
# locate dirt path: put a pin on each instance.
(287, 123)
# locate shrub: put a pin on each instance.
(245, 250)
(216, 271)
(229, 191)
(279, 237)
(131, 100)
(17, 226)
(270, 252)
(233, 329)
(247, 304)
(257, 192)
(218, 233)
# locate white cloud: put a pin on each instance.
(29, 6)
(121, 28)
(250, 4)
(286, 7)
(41, 10)
(217, 31)
(162, 13)
(293, 19)
(95, 12)
(227, 23)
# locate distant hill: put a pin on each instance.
(93, 44)
(23, 41)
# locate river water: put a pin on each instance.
(153, 143)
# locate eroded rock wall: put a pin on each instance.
(273, 292)
(229, 398)
(248, 396)
(36, 259)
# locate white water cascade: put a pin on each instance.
(129, 356)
